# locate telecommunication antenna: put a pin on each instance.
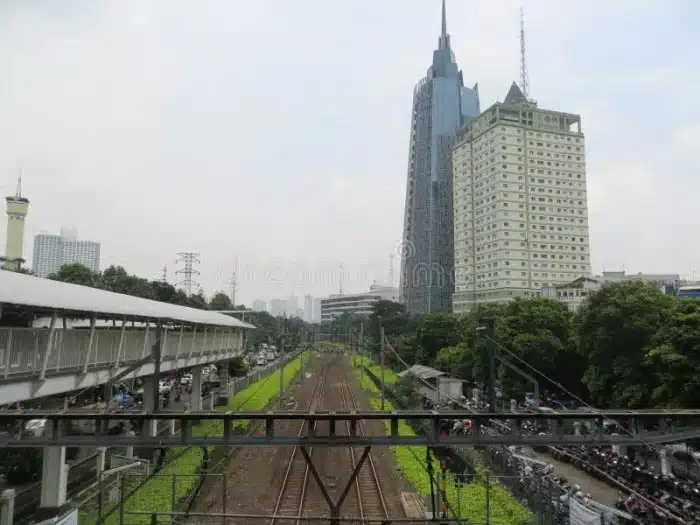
(342, 272)
(524, 82)
(165, 274)
(188, 259)
(391, 269)
(234, 288)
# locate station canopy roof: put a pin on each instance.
(422, 372)
(45, 295)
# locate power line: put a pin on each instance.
(188, 259)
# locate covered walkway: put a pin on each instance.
(44, 361)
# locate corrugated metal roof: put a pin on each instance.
(423, 372)
(30, 291)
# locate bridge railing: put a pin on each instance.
(23, 351)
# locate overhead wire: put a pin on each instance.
(596, 411)
(593, 409)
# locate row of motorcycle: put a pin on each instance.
(669, 496)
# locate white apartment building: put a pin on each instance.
(53, 251)
(356, 304)
(520, 204)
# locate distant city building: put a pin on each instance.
(520, 203)
(574, 293)
(278, 307)
(356, 304)
(259, 305)
(441, 104)
(17, 208)
(308, 309)
(317, 310)
(292, 306)
(53, 251)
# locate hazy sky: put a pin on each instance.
(272, 135)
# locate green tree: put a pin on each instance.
(539, 331)
(437, 331)
(198, 301)
(674, 358)
(615, 327)
(77, 274)
(220, 301)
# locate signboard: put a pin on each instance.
(579, 514)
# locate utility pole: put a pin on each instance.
(284, 332)
(381, 360)
(489, 330)
(360, 350)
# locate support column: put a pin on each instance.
(196, 395)
(223, 384)
(129, 432)
(101, 461)
(7, 506)
(150, 404)
(663, 459)
(54, 476)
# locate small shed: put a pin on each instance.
(442, 386)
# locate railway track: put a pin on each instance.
(294, 489)
(370, 498)
(294, 494)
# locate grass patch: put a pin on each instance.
(390, 377)
(504, 509)
(180, 474)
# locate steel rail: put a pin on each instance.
(361, 430)
(317, 389)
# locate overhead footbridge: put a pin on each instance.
(122, 337)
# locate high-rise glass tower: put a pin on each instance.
(441, 104)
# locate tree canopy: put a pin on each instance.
(629, 345)
(269, 329)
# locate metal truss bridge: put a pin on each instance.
(645, 427)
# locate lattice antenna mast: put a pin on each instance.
(342, 276)
(391, 269)
(165, 274)
(524, 81)
(188, 260)
(234, 288)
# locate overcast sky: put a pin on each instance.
(272, 135)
